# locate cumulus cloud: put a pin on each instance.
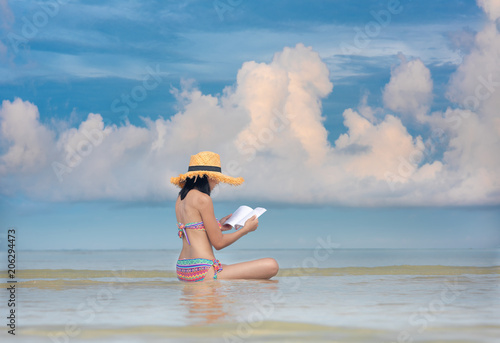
(475, 88)
(293, 83)
(409, 90)
(31, 141)
(474, 127)
(372, 150)
(491, 7)
(268, 127)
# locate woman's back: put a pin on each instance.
(187, 212)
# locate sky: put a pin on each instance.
(373, 123)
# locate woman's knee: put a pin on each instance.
(271, 266)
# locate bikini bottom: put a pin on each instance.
(195, 269)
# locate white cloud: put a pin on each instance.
(292, 83)
(491, 7)
(373, 150)
(409, 90)
(268, 128)
(31, 141)
(478, 77)
(475, 133)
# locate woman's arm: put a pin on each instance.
(215, 235)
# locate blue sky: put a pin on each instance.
(365, 88)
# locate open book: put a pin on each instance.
(242, 214)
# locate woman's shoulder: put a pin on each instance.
(199, 199)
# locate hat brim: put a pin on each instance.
(181, 179)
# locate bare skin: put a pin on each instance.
(197, 207)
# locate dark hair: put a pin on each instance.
(200, 183)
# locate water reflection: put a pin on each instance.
(225, 300)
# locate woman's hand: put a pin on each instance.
(251, 224)
(225, 227)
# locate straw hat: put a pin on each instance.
(205, 163)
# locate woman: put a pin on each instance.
(201, 232)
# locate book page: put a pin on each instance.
(238, 215)
(257, 212)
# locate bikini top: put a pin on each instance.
(191, 226)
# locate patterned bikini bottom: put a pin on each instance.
(195, 269)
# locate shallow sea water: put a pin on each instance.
(356, 295)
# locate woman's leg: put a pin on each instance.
(264, 268)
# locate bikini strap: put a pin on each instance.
(182, 230)
(217, 267)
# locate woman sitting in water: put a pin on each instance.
(201, 232)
